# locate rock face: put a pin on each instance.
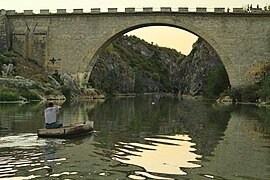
(130, 64)
(7, 70)
(112, 74)
(195, 68)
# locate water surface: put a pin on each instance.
(138, 138)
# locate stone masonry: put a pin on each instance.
(70, 42)
(4, 42)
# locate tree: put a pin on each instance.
(217, 81)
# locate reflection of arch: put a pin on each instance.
(90, 58)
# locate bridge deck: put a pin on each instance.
(266, 10)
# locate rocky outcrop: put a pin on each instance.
(25, 86)
(112, 74)
(7, 70)
(196, 67)
(26, 79)
(226, 100)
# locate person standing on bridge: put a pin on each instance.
(50, 116)
(248, 8)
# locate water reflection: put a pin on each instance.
(240, 154)
(19, 118)
(160, 154)
(78, 111)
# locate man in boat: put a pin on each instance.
(50, 116)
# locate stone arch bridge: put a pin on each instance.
(71, 41)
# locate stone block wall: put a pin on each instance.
(31, 43)
(4, 43)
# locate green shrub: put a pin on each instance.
(265, 88)
(156, 76)
(180, 58)
(250, 93)
(66, 91)
(234, 93)
(140, 82)
(9, 96)
(48, 91)
(4, 59)
(29, 95)
(217, 82)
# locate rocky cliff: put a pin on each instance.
(200, 71)
(130, 64)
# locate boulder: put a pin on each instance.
(226, 100)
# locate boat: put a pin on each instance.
(68, 131)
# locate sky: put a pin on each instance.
(163, 36)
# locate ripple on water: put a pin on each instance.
(22, 141)
(21, 155)
(173, 152)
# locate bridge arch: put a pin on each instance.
(91, 57)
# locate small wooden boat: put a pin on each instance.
(68, 131)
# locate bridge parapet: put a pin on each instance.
(28, 12)
(147, 9)
(201, 9)
(112, 10)
(219, 10)
(183, 9)
(139, 10)
(95, 10)
(165, 9)
(129, 10)
(78, 11)
(44, 11)
(61, 11)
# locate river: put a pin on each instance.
(138, 138)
